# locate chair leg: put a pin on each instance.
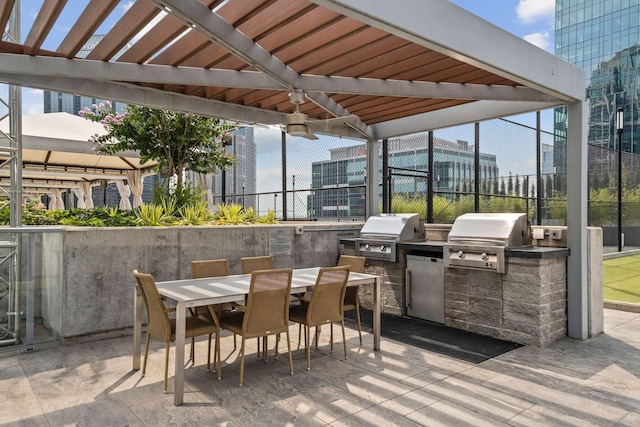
(216, 357)
(277, 342)
(344, 340)
(234, 342)
(289, 350)
(308, 347)
(192, 355)
(209, 355)
(358, 320)
(305, 336)
(265, 353)
(166, 367)
(146, 354)
(242, 362)
(300, 333)
(331, 335)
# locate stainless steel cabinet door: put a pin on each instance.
(425, 288)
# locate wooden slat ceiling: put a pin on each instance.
(307, 38)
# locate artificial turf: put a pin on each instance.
(622, 279)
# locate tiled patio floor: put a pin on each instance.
(573, 383)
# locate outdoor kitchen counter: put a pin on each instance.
(434, 248)
(537, 252)
(526, 304)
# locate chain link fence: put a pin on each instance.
(502, 165)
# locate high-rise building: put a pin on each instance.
(603, 38)
(239, 180)
(453, 164)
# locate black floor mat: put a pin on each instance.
(434, 337)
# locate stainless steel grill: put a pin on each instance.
(381, 233)
(478, 241)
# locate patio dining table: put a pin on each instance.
(188, 293)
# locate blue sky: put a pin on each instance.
(532, 20)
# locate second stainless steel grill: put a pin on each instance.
(477, 241)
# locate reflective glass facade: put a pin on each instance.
(603, 38)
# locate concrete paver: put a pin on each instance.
(570, 382)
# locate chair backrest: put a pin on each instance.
(254, 263)
(158, 325)
(327, 295)
(209, 268)
(356, 263)
(267, 307)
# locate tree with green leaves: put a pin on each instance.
(548, 187)
(606, 179)
(177, 141)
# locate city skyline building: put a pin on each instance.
(603, 38)
(453, 164)
(239, 180)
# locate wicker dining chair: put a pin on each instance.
(210, 268)
(323, 306)
(251, 264)
(266, 312)
(351, 299)
(161, 327)
(201, 269)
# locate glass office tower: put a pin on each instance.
(603, 38)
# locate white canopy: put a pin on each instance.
(57, 154)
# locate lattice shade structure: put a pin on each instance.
(392, 67)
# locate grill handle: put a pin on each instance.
(408, 280)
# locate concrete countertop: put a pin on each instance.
(432, 246)
(538, 252)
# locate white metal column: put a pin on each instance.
(373, 154)
(577, 289)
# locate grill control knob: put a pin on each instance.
(367, 247)
(383, 248)
(460, 254)
(484, 256)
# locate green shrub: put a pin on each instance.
(152, 215)
(231, 214)
(197, 214)
(269, 218)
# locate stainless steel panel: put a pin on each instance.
(377, 249)
(474, 257)
(397, 227)
(425, 288)
(497, 229)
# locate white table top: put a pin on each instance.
(214, 290)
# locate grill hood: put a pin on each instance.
(396, 227)
(496, 229)
(380, 234)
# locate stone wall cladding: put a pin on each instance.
(526, 304)
(392, 292)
